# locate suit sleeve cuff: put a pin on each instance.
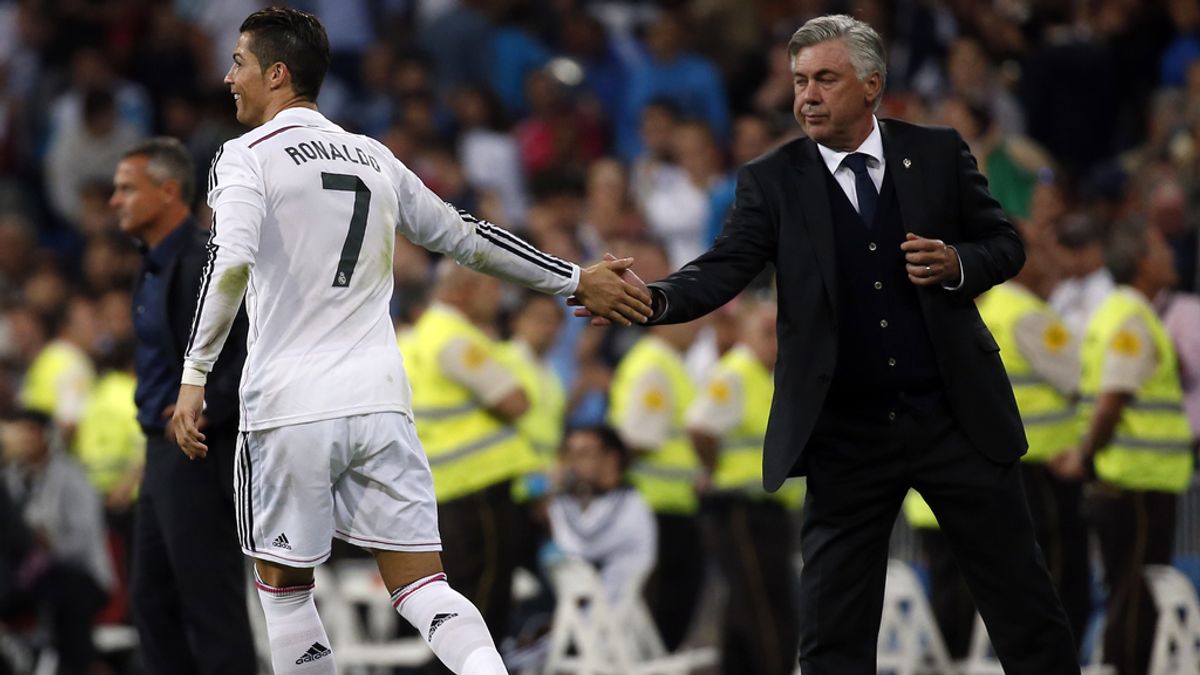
(962, 277)
(658, 304)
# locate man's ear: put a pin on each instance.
(874, 86)
(278, 75)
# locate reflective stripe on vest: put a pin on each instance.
(1151, 446)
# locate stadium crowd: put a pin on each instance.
(590, 127)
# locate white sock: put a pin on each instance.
(298, 640)
(450, 624)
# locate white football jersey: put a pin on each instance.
(305, 216)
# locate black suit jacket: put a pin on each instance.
(781, 215)
(183, 272)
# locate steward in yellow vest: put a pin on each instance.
(1041, 357)
(61, 375)
(650, 394)
(109, 442)
(466, 403)
(534, 328)
(727, 423)
(1138, 446)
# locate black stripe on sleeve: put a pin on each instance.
(500, 232)
(205, 278)
(521, 254)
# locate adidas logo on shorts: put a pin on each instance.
(316, 651)
(282, 542)
(438, 620)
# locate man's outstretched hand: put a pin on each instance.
(610, 292)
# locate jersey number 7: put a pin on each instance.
(358, 222)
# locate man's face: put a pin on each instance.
(1159, 261)
(248, 84)
(832, 105)
(539, 322)
(22, 441)
(592, 469)
(137, 199)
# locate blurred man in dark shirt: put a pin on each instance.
(188, 592)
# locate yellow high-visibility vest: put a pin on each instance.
(1050, 420)
(542, 424)
(43, 381)
(739, 462)
(109, 440)
(468, 448)
(1151, 447)
(667, 477)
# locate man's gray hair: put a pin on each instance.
(865, 45)
(1127, 245)
(167, 159)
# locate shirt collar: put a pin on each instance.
(872, 147)
(305, 116)
(158, 257)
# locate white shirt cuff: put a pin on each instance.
(961, 276)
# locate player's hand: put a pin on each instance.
(930, 262)
(184, 428)
(627, 275)
(604, 294)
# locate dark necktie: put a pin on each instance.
(863, 185)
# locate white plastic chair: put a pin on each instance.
(363, 645)
(1176, 649)
(909, 640)
(591, 637)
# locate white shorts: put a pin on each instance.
(363, 479)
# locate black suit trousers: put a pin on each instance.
(188, 578)
(858, 474)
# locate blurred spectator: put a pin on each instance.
(86, 152)
(557, 134)
(61, 375)
(605, 74)
(658, 120)
(1184, 48)
(1087, 281)
(1070, 65)
(488, 151)
(92, 71)
(598, 517)
(16, 255)
(73, 576)
(458, 42)
(1010, 162)
(373, 107)
(515, 53)
(974, 79)
(753, 136)
(110, 261)
(665, 70)
(689, 196)
(699, 155)
(1180, 314)
(609, 212)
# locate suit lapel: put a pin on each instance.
(813, 195)
(907, 180)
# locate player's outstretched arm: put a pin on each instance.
(485, 247)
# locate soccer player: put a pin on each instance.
(304, 222)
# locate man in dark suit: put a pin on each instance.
(882, 233)
(188, 582)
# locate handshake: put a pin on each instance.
(609, 292)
